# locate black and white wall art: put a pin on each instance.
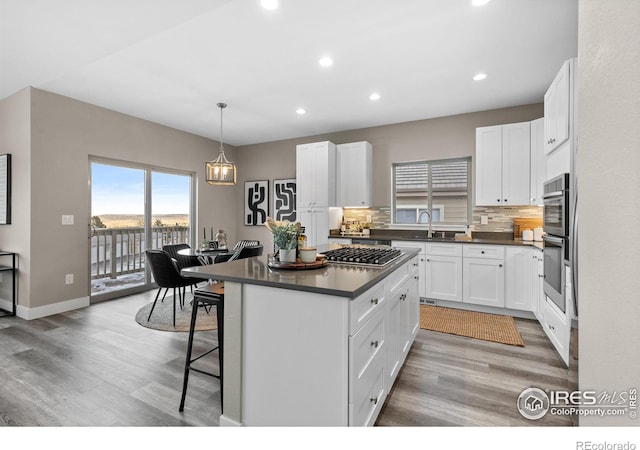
(284, 199)
(256, 202)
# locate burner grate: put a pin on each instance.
(372, 256)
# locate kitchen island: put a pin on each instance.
(313, 347)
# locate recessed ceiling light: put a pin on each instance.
(269, 4)
(301, 111)
(479, 2)
(479, 76)
(325, 61)
(375, 96)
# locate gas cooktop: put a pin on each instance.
(365, 255)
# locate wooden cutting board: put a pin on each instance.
(520, 224)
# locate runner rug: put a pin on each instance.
(488, 327)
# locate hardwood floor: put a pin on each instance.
(97, 367)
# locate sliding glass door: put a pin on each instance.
(134, 208)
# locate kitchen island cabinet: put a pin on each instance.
(310, 347)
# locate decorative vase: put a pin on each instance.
(288, 255)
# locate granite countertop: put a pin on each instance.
(341, 280)
(488, 238)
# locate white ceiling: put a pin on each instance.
(171, 61)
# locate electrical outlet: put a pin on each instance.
(369, 218)
(68, 278)
(484, 219)
(67, 219)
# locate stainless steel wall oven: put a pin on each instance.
(556, 239)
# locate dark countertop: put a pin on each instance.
(334, 279)
(488, 238)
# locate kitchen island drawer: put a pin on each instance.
(364, 306)
(483, 251)
(367, 395)
(366, 348)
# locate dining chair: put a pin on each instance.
(242, 252)
(166, 275)
(183, 261)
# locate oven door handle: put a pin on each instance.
(558, 194)
(553, 239)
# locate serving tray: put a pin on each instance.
(298, 265)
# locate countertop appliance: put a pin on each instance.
(363, 255)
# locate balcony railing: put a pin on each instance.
(120, 251)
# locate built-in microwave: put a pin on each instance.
(556, 206)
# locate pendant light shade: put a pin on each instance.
(220, 172)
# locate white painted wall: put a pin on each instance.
(609, 202)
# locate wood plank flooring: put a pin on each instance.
(97, 367)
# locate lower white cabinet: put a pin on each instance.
(521, 278)
(484, 275)
(443, 271)
(421, 246)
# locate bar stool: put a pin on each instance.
(207, 296)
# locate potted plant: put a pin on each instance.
(285, 238)
(366, 228)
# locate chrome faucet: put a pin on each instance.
(429, 232)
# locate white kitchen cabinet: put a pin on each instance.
(538, 287)
(315, 174)
(354, 175)
(556, 109)
(421, 246)
(538, 162)
(503, 164)
(484, 275)
(521, 265)
(316, 224)
(443, 271)
(403, 321)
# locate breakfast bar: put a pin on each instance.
(313, 347)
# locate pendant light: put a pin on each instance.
(220, 172)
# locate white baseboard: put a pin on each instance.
(49, 310)
(227, 422)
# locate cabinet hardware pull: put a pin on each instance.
(374, 400)
(374, 344)
(374, 301)
(428, 260)
(505, 200)
(415, 264)
(499, 265)
(416, 277)
(482, 252)
(551, 327)
(498, 200)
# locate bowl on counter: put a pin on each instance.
(307, 254)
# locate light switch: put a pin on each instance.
(67, 219)
(484, 219)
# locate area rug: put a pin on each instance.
(162, 317)
(488, 327)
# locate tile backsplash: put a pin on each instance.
(500, 218)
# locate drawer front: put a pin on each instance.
(483, 251)
(363, 307)
(366, 347)
(443, 249)
(369, 393)
(395, 280)
(555, 327)
(410, 244)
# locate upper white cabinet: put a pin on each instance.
(315, 174)
(354, 166)
(503, 165)
(556, 110)
(538, 162)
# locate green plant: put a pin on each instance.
(285, 233)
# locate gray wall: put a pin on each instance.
(608, 163)
(15, 138)
(445, 137)
(64, 134)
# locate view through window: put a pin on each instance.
(439, 189)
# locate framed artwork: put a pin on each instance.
(256, 202)
(5, 189)
(284, 199)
